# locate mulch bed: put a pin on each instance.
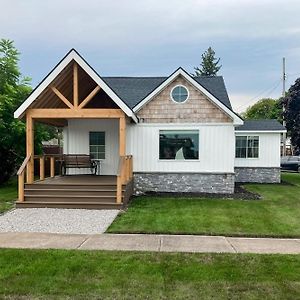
(239, 193)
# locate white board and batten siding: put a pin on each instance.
(216, 150)
(269, 151)
(76, 141)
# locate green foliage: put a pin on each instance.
(264, 109)
(13, 90)
(292, 113)
(209, 64)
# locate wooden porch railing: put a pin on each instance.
(125, 174)
(24, 167)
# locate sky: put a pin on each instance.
(155, 37)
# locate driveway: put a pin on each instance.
(50, 220)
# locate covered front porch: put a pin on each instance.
(80, 103)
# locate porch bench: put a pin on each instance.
(77, 161)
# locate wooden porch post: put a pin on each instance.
(42, 168)
(21, 186)
(122, 136)
(122, 150)
(75, 85)
(30, 147)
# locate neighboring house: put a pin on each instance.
(180, 130)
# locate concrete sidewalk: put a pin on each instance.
(147, 242)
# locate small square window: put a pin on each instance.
(97, 145)
(246, 146)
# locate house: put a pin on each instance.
(168, 134)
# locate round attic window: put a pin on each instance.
(179, 93)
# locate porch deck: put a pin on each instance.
(80, 179)
(75, 191)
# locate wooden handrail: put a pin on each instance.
(24, 164)
(120, 166)
(124, 174)
(21, 171)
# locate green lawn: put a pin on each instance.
(8, 195)
(276, 214)
(63, 274)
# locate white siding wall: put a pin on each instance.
(216, 148)
(269, 151)
(76, 141)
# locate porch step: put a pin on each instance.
(71, 198)
(84, 186)
(70, 192)
(79, 205)
(87, 192)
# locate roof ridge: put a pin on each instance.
(141, 77)
(262, 120)
(207, 76)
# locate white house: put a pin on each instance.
(181, 131)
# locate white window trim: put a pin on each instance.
(179, 85)
(250, 158)
(178, 160)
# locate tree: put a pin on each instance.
(266, 108)
(14, 89)
(209, 64)
(291, 115)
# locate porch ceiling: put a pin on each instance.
(64, 83)
(59, 94)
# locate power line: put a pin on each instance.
(268, 90)
(292, 74)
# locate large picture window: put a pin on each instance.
(246, 146)
(97, 145)
(178, 144)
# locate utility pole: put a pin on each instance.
(283, 107)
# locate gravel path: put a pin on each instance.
(73, 221)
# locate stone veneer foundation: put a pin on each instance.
(259, 175)
(222, 183)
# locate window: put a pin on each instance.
(178, 144)
(246, 146)
(179, 94)
(97, 145)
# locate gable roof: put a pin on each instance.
(237, 120)
(133, 90)
(73, 55)
(261, 125)
(131, 93)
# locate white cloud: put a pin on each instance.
(153, 37)
(142, 23)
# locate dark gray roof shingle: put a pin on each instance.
(133, 90)
(260, 125)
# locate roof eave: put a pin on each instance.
(261, 131)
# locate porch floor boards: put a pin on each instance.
(73, 191)
(80, 179)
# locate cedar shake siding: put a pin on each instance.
(197, 109)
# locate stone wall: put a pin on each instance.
(184, 182)
(259, 175)
(197, 109)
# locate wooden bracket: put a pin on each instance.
(62, 97)
(89, 97)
